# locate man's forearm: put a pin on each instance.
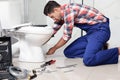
(60, 43)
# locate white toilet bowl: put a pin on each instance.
(30, 41)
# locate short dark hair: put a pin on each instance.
(50, 6)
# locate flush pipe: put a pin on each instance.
(26, 11)
(0, 29)
(82, 30)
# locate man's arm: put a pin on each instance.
(68, 27)
(60, 43)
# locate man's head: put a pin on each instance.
(53, 10)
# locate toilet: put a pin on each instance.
(30, 42)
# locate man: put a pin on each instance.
(95, 24)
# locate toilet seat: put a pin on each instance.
(35, 30)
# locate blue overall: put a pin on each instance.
(89, 47)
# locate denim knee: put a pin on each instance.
(67, 54)
(89, 61)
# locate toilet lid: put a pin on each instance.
(35, 30)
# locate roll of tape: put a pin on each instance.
(18, 72)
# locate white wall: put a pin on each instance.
(36, 15)
(10, 13)
(15, 12)
(3, 6)
(111, 9)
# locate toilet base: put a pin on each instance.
(31, 54)
(33, 59)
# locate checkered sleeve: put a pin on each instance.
(68, 23)
(56, 27)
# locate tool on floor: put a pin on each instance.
(24, 73)
(48, 63)
(67, 66)
(18, 72)
(42, 69)
(68, 71)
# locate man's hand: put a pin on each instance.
(60, 43)
(51, 51)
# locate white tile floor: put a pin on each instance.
(75, 71)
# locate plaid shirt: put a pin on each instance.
(77, 13)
